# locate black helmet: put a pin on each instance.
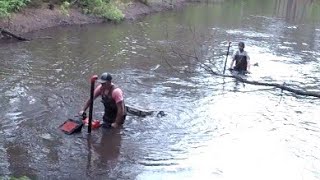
(241, 44)
(105, 77)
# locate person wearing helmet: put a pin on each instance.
(112, 99)
(241, 59)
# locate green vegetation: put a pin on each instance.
(65, 6)
(8, 6)
(14, 178)
(100, 8)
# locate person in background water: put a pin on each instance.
(241, 59)
(112, 99)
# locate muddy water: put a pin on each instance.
(214, 129)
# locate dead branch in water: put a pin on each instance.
(7, 33)
(192, 57)
(280, 86)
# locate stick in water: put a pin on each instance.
(225, 63)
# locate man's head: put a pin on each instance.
(105, 79)
(241, 46)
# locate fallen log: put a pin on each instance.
(280, 86)
(7, 33)
(143, 112)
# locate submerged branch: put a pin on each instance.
(7, 33)
(280, 86)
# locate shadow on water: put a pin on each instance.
(19, 162)
(103, 152)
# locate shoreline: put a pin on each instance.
(31, 20)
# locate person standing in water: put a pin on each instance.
(241, 59)
(112, 99)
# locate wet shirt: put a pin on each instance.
(242, 60)
(110, 101)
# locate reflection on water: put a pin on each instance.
(214, 129)
(103, 152)
(296, 10)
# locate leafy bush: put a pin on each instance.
(65, 6)
(102, 8)
(8, 6)
(108, 11)
(15, 178)
(20, 178)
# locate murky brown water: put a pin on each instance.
(212, 130)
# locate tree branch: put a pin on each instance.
(280, 86)
(2, 31)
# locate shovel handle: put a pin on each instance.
(93, 80)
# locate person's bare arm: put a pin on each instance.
(231, 65)
(248, 63)
(232, 61)
(120, 114)
(117, 95)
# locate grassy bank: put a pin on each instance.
(33, 15)
(101, 8)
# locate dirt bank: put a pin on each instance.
(30, 20)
